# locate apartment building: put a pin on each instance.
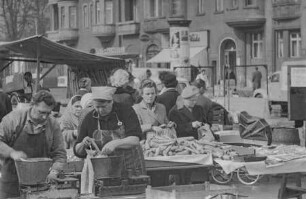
(221, 32)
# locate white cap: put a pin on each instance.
(103, 92)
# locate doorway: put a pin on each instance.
(227, 57)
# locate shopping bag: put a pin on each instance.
(170, 132)
(87, 176)
(204, 133)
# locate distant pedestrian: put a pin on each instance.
(5, 105)
(84, 85)
(256, 79)
(203, 76)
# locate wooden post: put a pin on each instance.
(37, 66)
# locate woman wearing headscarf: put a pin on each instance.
(152, 116)
(69, 122)
(125, 94)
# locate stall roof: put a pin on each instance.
(51, 52)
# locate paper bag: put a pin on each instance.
(204, 133)
(87, 177)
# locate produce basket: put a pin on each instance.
(107, 167)
(33, 171)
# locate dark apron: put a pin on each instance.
(104, 136)
(34, 146)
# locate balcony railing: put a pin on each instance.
(286, 9)
(128, 28)
(63, 35)
(104, 30)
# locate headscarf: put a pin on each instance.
(69, 118)
(86, 99)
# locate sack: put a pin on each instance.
(204, 133)
(87, 176)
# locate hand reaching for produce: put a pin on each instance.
(16, 155)
(157, 129)
(196, 124)
(109, 147)
(171, 124)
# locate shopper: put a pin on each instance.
(84, 85)
(256, 79)
(5, 105)
(69, 122)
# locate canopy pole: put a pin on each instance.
(37, 66)
(7, 65)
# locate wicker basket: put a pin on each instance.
(107, 167)
(33, 171)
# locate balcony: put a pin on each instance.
(286, 9)
(128, 28)
(246, 16)
(104, 32)
(156, 25)
(64, 35)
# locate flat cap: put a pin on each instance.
(103, 93)
(189, 92)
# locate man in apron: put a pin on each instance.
(110, 125)
(30, 133)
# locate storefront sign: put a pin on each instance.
(198, 39)
(110, 51)
(62, 81)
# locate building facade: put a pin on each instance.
(221, 32)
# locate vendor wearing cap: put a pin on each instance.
(111, 125)
(189, 116)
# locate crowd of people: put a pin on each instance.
(113, 117)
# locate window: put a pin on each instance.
(85, 16)
(55, 17)
(280, 44)
(295, 43)
(249, 2)
(156, 8)
(92, 14)
(72, 17)
(201, 8)
(257, 45)
(109, 12)
(234, 3)
(97, 12)
(176, 8)
(219, 5)
(127, 10)
(62, 17)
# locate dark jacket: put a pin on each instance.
(168, 99)
(126, 114)
(126, 95)
(5, 105)
(206, 105)
(184, 118)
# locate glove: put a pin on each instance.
(16, 155)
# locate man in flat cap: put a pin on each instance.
(112, 126)
(188, 117)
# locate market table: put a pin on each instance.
(293, 167)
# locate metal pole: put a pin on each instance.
(38, 65)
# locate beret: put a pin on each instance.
(103, 92)
(189, 92)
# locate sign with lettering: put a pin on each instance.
(198, 39)
(110, 51)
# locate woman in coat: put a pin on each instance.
(69, 122)
(152, 116)
(188, 117)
